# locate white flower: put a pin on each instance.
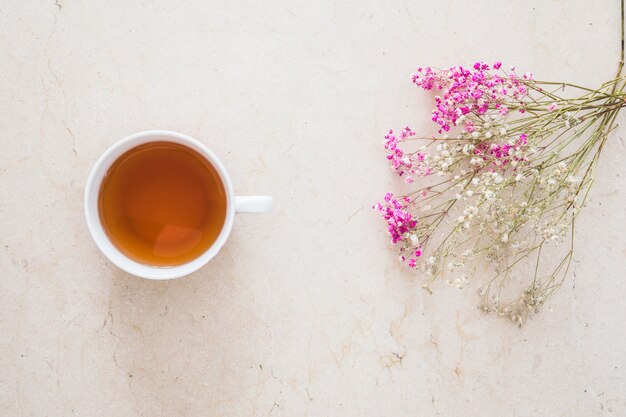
(459, 196)
(498, 179)
(505, 238)
(445, 153)
(469, 193)
(486, 125)
(502, 131)
(489, 195)
(461, 219)
(519, 177)
(415, 240)
(431, 260)
(475, 135)
(475, 181)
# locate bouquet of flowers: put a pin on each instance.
(503, 182)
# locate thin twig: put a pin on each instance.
(621, 58)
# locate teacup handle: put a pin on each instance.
(253, 204)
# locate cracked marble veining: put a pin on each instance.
(305, 311)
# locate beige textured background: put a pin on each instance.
(305, 312)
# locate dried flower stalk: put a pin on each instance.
(506, 187)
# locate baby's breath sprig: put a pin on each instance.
(507, 187)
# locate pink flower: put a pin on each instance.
(413, 164)
(500, 153)
(399, 221)
(412, 263)
(474, 90)
(552, 107)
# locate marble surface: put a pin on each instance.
(305, 311)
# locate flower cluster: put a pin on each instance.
(475, 90)
(399, 220)
(413, 164)
(401, 223)
(508, 183)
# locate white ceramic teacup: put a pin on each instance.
(249, 204)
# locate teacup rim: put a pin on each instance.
(110, 251)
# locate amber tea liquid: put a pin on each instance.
(162, 204)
